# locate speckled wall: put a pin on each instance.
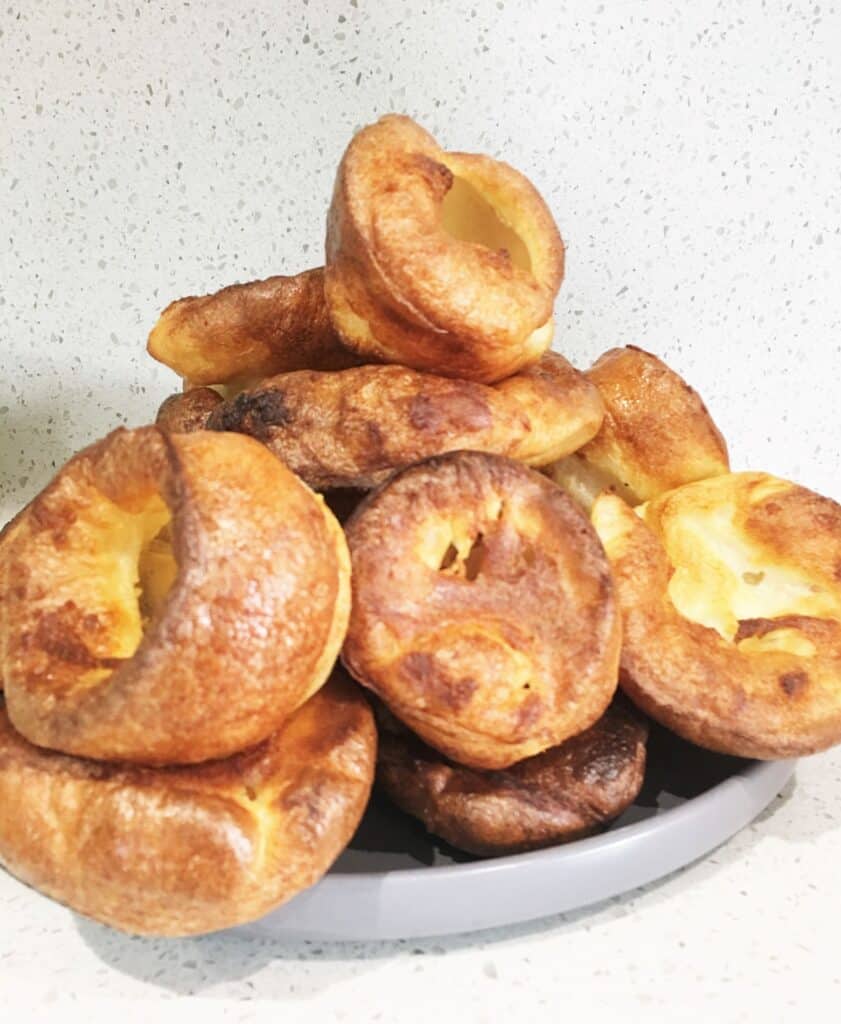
(155, 150)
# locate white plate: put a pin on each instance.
(396, 881)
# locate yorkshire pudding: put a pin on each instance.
(168, 598)
(562, 794)
(730, 590)
(187, 411)
(483, 613)
(351, 429)
(445, 262)
(656, 434)
(181, 851)
(248, 331)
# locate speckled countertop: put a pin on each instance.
(691, 155)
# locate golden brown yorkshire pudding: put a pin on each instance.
(730, 590)
(562, 794)
(168, 599)
(351, 429)
(483, 611)
(181, 851)
(187, 411)
(248, 331)
(445, 262)
(656, 434)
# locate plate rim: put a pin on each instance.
(497, 892)
(636, 829)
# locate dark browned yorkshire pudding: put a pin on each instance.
(483, 611)
(248, 331)
(187, 411)
(168, 598)
(446, 262)
(730, 590)
(351, 429)
(181, 851)
(562, 794)
(656, 435)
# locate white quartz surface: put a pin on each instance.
(691, 154)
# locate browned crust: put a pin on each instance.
(5, 535)
(248, 331)
(562, 794)
(235, 649)
(181, 851)
(187, 411)
(497, 654)
(401, 289)
(657, 433)
(762, 704)
(351, 429)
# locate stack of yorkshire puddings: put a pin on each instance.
(178, 750)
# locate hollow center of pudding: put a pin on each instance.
(467, 216)
(722, 580)
(156, 572)
(135, 570)
(466, 562)
(456, 546)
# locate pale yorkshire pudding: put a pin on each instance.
(730, 590)
(168, 599)
(446, 262)
(562, 794)
(351, 429)
(248, 331)
(187, 411)
(483, 613)
(181, 851)
(656, 434)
